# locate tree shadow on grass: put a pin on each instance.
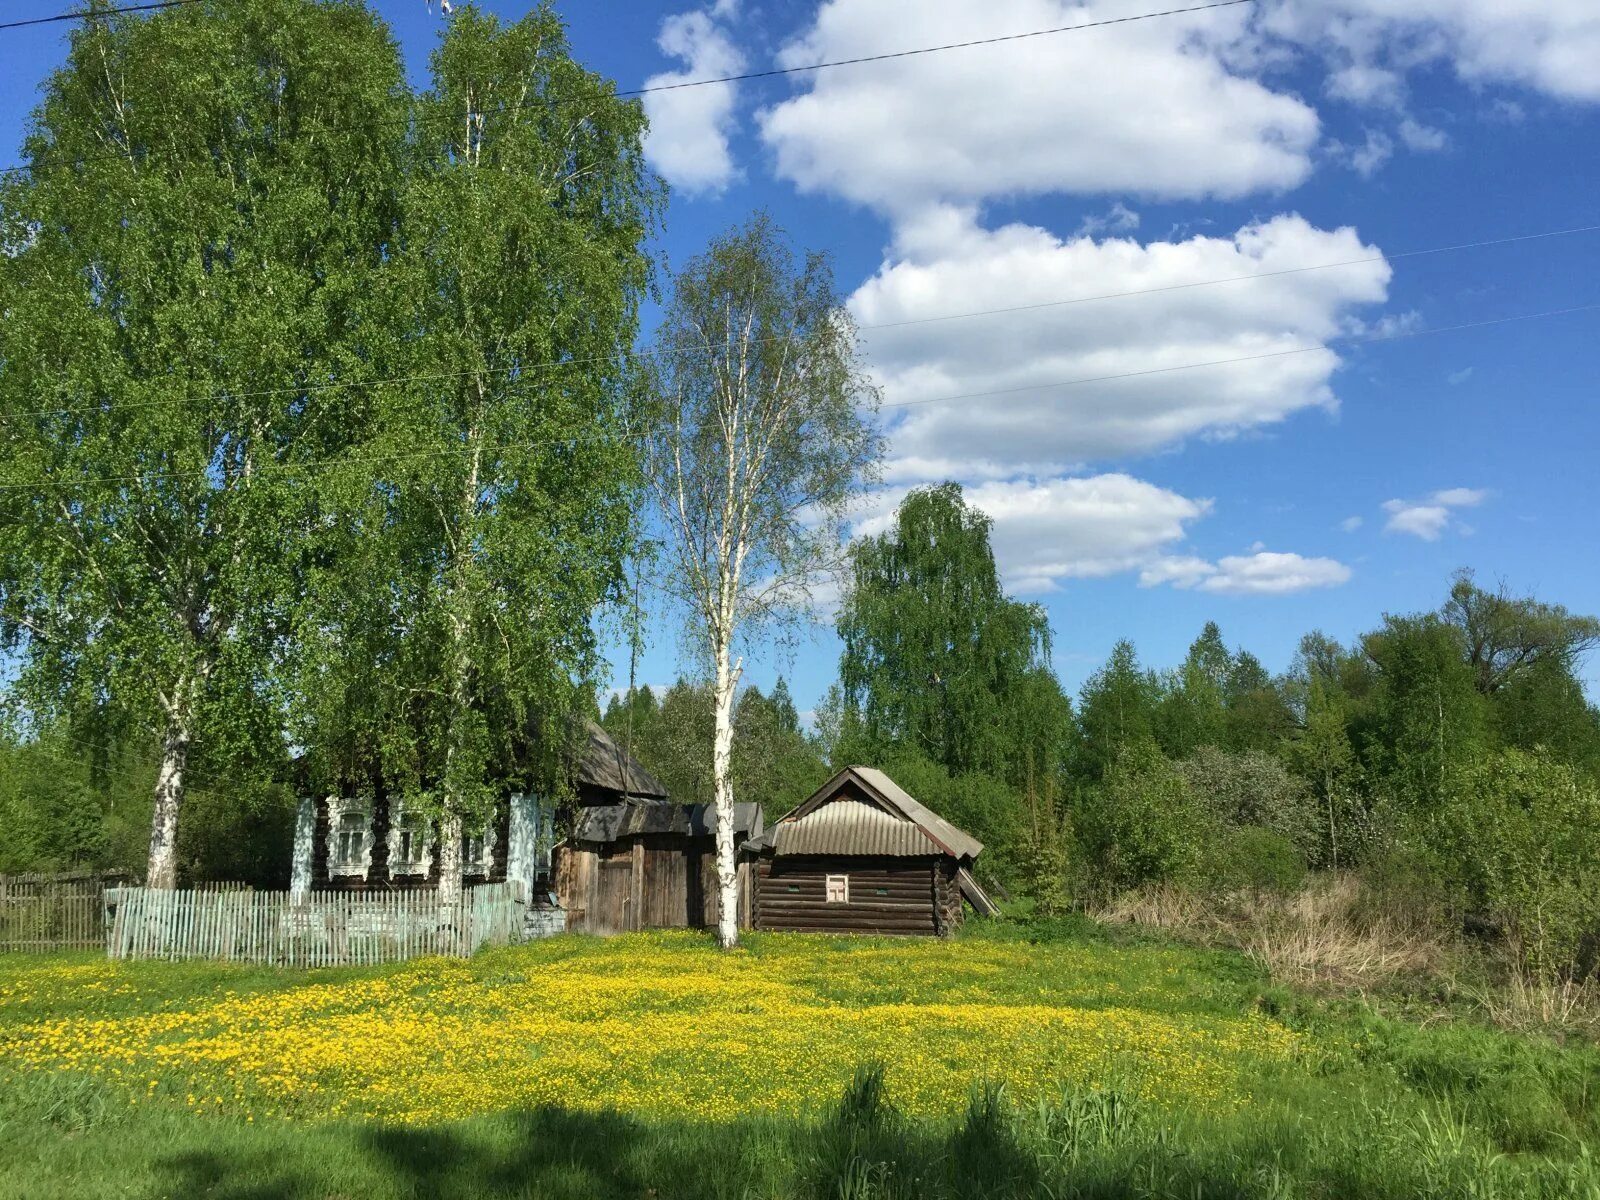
(545, 1154)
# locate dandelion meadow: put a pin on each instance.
(654, 1064)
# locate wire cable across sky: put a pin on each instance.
(631, 93)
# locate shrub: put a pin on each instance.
(1256, 858)
(1517, 839)
(1143, 824)
(1255, 790)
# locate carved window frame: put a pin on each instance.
(421, 860)
(339, 864)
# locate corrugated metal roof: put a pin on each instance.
(956, 841)
(851, 827)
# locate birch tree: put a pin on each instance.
(185, 260)
(760, 431)
(488, 512)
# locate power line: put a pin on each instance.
(503, 448)
(893, 54)
(556, 102)
(636, 355)
(89, 14)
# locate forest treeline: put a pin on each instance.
(1452, 755)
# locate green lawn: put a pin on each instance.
(1015, 1061)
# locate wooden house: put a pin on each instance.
(367, 842)
(860, 855)
(647, 866)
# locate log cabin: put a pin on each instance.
(860, 855)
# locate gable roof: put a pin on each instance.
(851, 827)
(891, 798)
(600, 762)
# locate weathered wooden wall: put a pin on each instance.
(651, 881)
(887, 895)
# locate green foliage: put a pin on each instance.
(936, 657)
(1045, 860)
(1193, 709)
(1142, 824)
(489, 514)
(171, 302)
(1254, 790)
(1324, 756)
(774, 761)
(1116, 710)
(1506, 635)
(1254, 858)
(1428, 720)
(1519, 839)
(1544, 707)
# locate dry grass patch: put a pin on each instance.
(1326, 933)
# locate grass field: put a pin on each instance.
(1016, 1061)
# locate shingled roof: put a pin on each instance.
(608, 822)
(600, 762)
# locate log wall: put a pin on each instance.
(887, 895)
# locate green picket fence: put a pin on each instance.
(324, 929)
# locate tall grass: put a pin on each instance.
(1339, 932)
(1092, 1144)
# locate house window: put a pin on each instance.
(349, 836)
(838, 889)
(352, 837)
(410, 841)
(477, 851)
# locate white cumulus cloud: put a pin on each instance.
(1262, 573)
(1066, 528)
(946, 262)
(689, 128)
(1147, 108)
(1548, 45)
(1428, 519)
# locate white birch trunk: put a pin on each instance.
(450, 822)
(722, 792)
(450, 857)
(162, 869)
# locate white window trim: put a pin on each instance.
(827, 889)
(491, 843)
(418, 864)
(338, 808)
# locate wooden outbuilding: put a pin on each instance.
(647, 866)
(861, 855)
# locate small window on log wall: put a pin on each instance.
(838, 889)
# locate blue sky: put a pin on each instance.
(1276, 495)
